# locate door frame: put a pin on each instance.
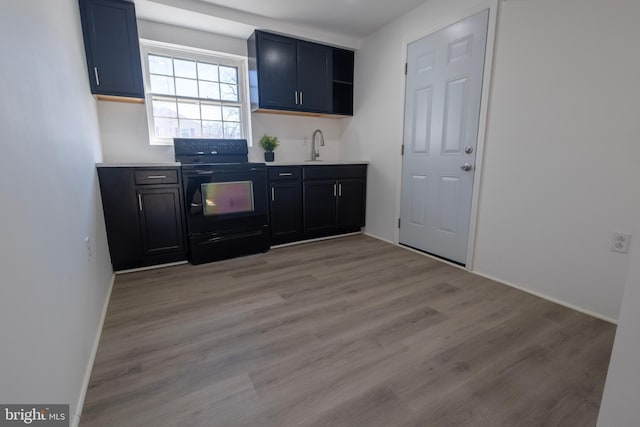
(492, 29)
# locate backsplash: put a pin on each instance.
(125, 136)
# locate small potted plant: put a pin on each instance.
(269, 143)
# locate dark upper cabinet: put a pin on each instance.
(314, 77)
(293, 75)
(112, 48)
(343, 66)
(143, 216)
(277, 71)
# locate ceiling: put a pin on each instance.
(341, 22)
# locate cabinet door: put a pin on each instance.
(160, 220)
(319, 207)
(277, 71)
(120, 208)
(351, 203)
(112, 48)
(314, 77)
(286, 211)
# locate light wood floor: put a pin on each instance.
(346, 332)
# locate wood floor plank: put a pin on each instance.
(344, 332)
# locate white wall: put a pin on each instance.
(619, 406)
(124, 129)
(51, 292)
(560, 171)
(559, 162)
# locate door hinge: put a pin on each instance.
(406, 68)
(402, 150)
(398, 222)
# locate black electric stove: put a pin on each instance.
(226, 201)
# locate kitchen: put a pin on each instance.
(519, 211)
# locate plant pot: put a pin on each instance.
(269, 156)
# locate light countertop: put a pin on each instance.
(138, 165)
(318, 163)
(291, 163)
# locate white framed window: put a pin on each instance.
(194, 93)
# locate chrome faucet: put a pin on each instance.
(315, 152)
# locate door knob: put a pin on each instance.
(466, 167)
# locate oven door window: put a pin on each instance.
(223, 198)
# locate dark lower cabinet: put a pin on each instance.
(286, 212)
(319, 208)
(143, 215)
(316, 201)
(350, 206)
(160, 212)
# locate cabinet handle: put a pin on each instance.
(301, 102)
(296, 97)
(156, 177)
(334, 189)
(339, 190)
(95, 71)
(273, 194)
(140, 202)
(285, 174)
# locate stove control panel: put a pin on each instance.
(210, 147)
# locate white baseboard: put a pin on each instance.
(378, 238)
(92, 357)
(549, 298)
(151, 267)
(506, 283)
(337, 236)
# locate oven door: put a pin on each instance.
(225, 197)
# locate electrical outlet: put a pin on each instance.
(620, 242)
(87, 244)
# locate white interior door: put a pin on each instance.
(442, 110)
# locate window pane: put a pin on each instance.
(209, 90)
(212, 129)
(190, 129)
(184, 68)
(229, 75)
(162, 85)
(232, 130)
(211, 112)
(166, 128)
(188, 111)
(231, 114)
(164, 109)
(228, 92)
(207, 72)
(186, 87)
(160, 65)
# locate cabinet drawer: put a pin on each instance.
(334, 172)
(156, 176)
(277, 173)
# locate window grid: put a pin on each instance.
(228, 124)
